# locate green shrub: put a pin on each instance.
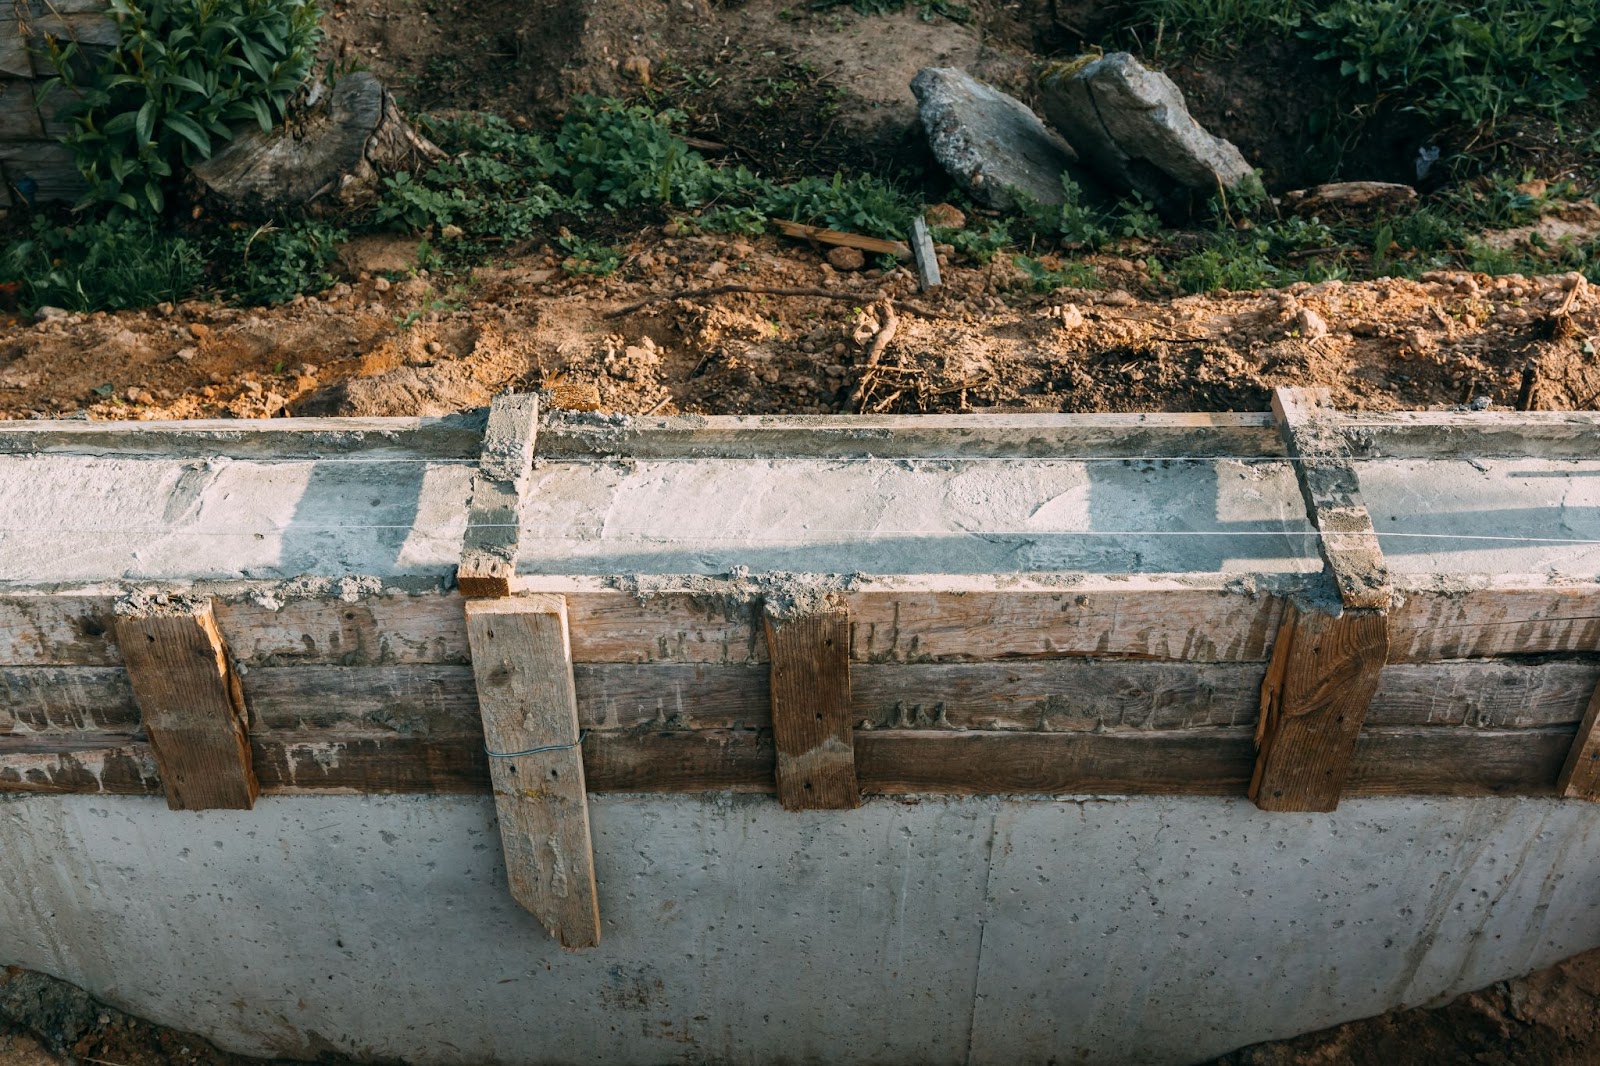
(1463, 62)
(185, 72)
(105, 265)
(271, 264)
(860, 205)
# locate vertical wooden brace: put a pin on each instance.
(489, 549)
(1580, 776)
(191, 704)
(1327, 659)
(811, 725)
(522, 662)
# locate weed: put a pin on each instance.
(979, 245)
(274, 262)
(1467, 63)
(1233, 261)
(589, 257)
(1045, 277)
(104, 265)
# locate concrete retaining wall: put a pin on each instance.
(988, 930)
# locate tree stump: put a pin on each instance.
(334, 155)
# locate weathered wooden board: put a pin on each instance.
(1492, 622)
(1062, 695)
(1314, 699)
(1388, 761)
(1480, 434)
(63, 700)
(522, 662)
(1332, 494)
(191, 706)
(1018, 436)
(1580, 771)
(812, 730)
(1445, 762)
(489, 549)
(457, 437)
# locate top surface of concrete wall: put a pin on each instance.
(87, 519)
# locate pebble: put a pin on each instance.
(1310, 325)
(434, 347)
(381, 284)
(185, 355)
(252, 387)
(846, 258)
(716, 270)
(839, 349)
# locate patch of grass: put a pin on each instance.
(1231, 261)
(1047, 275)
(101, 265)
(1201, 22)
(589, 257)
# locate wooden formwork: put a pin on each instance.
(1297, 689)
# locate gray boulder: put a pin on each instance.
(990, 143)
(1131, 125)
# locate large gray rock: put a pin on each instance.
(990, 143)
(1131, 125)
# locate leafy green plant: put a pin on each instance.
(272, 263)
(979, 245)
(1045, 277)
(589, 257)
(103, 265)
(1233, 261)
(184, 73)
(861, 205)
(1463, 62)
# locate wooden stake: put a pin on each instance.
(522, 662)
(191, 705)
(1323, 674)
(811, 724)
(927, 259)
(1326, 663)
(1580, 775)
(489, 550)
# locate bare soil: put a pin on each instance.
(985, 340)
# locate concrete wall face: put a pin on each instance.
(990, 930)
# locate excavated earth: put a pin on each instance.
(985, 340)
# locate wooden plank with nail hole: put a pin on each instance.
(191, 706)
(811, 718)
(522, 663)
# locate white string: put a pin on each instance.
(642, 535)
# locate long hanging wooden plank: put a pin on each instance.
(1327, 660)
(811, 721)
(191, 704)
(489, 550)
(522, 662)
(1580, 774)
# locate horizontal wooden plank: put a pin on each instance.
(1449, 762)
(1045, 695)
(1388, 761)
(1484, 695)
(456, 436)
(1484, 434)
(1021, 436)
(1187, 762)
(66, 699)
(969, 620)
(1488, 623)
(1193, 625)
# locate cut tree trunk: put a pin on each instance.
(333, 156)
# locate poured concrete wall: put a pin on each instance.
(991, 930)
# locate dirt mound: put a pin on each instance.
(986, 340)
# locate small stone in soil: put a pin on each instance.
(846, 258)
